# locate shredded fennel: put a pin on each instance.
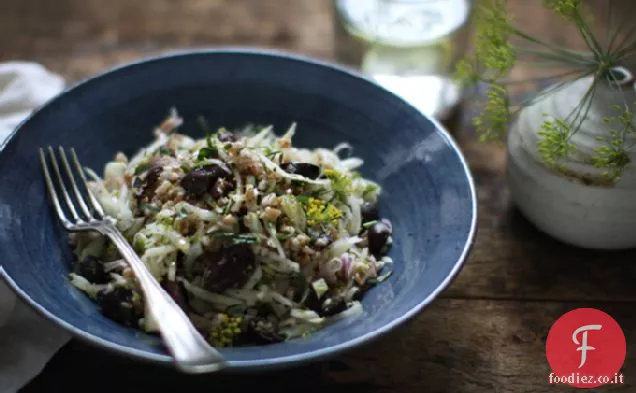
(248, 233)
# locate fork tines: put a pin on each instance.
(87, 211)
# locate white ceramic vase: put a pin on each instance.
(570, 209)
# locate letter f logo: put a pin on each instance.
(583, 344)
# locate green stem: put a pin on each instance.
(557, 87)
(624, 52)
(557, 57)
(553, 47)
(589, 42)
(585, 102)
(626, 38)
(588, 36)
(543, 64)
(538, 79)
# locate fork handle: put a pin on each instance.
(191, 353)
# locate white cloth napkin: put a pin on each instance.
(27, 340)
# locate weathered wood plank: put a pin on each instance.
(454, 346)
(513, 260)
(33, 29)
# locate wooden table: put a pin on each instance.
(486, 333)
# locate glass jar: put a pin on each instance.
(409, 47)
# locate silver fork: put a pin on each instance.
(190, 351)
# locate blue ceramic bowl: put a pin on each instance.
(428, 190)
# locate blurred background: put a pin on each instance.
(409, 46)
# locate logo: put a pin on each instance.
(585, 348)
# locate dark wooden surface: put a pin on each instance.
(486, 333)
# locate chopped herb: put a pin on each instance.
(186, 168)
(236, 238)
(141, 168)
(239, 241)
(284, 236)
(371, 188)
(225, 235)
(369, 224)
(151, 207)
(227, 207)
(139, 245)
(303, 198)
(199, 164)
(183, 213)
(207, 198)
(164, 151)
(166, 221)
(208, 140)
(208, 152)
(236, 310)
(269, 152)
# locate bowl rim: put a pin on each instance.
(283, 361)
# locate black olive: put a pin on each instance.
(146, 186)
(177, 291)
(116, 304)
(377, 237)
(227, 136)
(229, 267)
(327, 305)
(358, 294)
(199, 180)
(368, 284)
(305, 169)
(242, 227)
(332, 306)
(179, 260)
(153, 174)
(311, 301)
(369, 212)
(92, 270)
(261, 332)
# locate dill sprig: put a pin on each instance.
(500, 44)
